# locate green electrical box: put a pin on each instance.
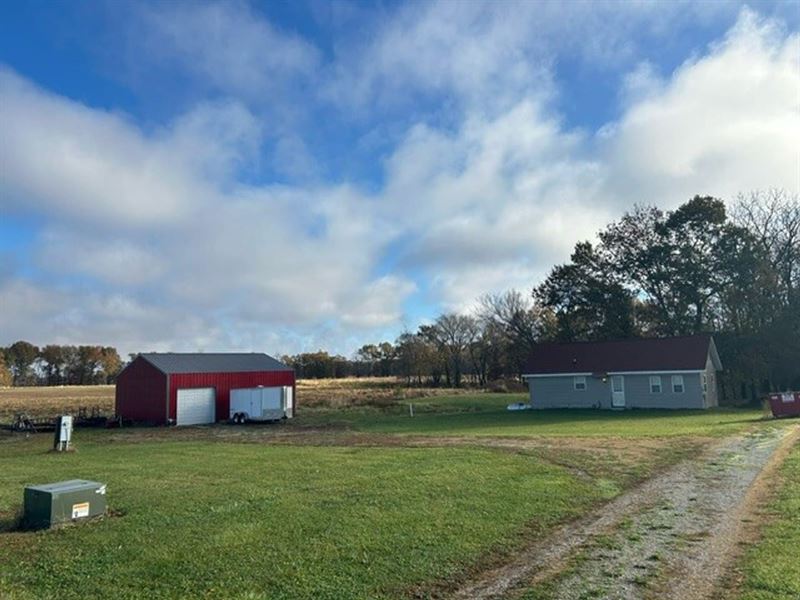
(54, 503)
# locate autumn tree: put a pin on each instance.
(53, 360)
(454, 333)
(681, 262)
(6, 378)
(589, 303)
(414, 357)
(110, 364)
(20, 357)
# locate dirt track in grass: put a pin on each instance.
(626, 460)
(673, 536)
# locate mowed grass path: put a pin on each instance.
(486, 415)
(772, 566)
(226, 520)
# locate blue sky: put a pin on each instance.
(289, 176)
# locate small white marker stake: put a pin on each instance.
(411, 410)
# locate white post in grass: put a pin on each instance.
(411, 410)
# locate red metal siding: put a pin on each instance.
(224, 383)
(141, 393)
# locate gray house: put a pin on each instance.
(678, 372)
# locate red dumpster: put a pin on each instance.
(785, 404)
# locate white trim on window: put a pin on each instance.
(678, 386)
(579, 383)
(655, 384)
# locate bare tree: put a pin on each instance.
(455, 333)
(773, 218)
(522, 322)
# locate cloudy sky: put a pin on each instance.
(282, 177)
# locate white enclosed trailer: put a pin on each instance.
(261, 404)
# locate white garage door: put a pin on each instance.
(196, 406)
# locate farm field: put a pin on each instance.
(52, 401)
(360, 502)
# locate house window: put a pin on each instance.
(705, 383)
(677, 384)
(580, 384)
(655, 384)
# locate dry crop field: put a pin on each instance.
(45, 402)
(364, 391)
(52, 401)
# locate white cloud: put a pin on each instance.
(379, 304)
(224, 45)
(470, 54)
(488, 55)
(493, 205)
(724, 123)
(87, 165)
(641, 84)
(111, 260)
(215, 140)
(51, 314)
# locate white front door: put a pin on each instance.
(196, 406)
(617, 391)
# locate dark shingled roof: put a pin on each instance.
(201, 362)
(654, 354)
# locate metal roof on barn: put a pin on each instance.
(201, 362)
(688, 353)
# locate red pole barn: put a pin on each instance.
(190, 389)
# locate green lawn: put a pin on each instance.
(206, 519)
(772, 567)
(486, 414)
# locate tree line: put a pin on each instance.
(22, 363)
(489, 344)
(697, 269)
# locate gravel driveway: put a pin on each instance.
(671, 537)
